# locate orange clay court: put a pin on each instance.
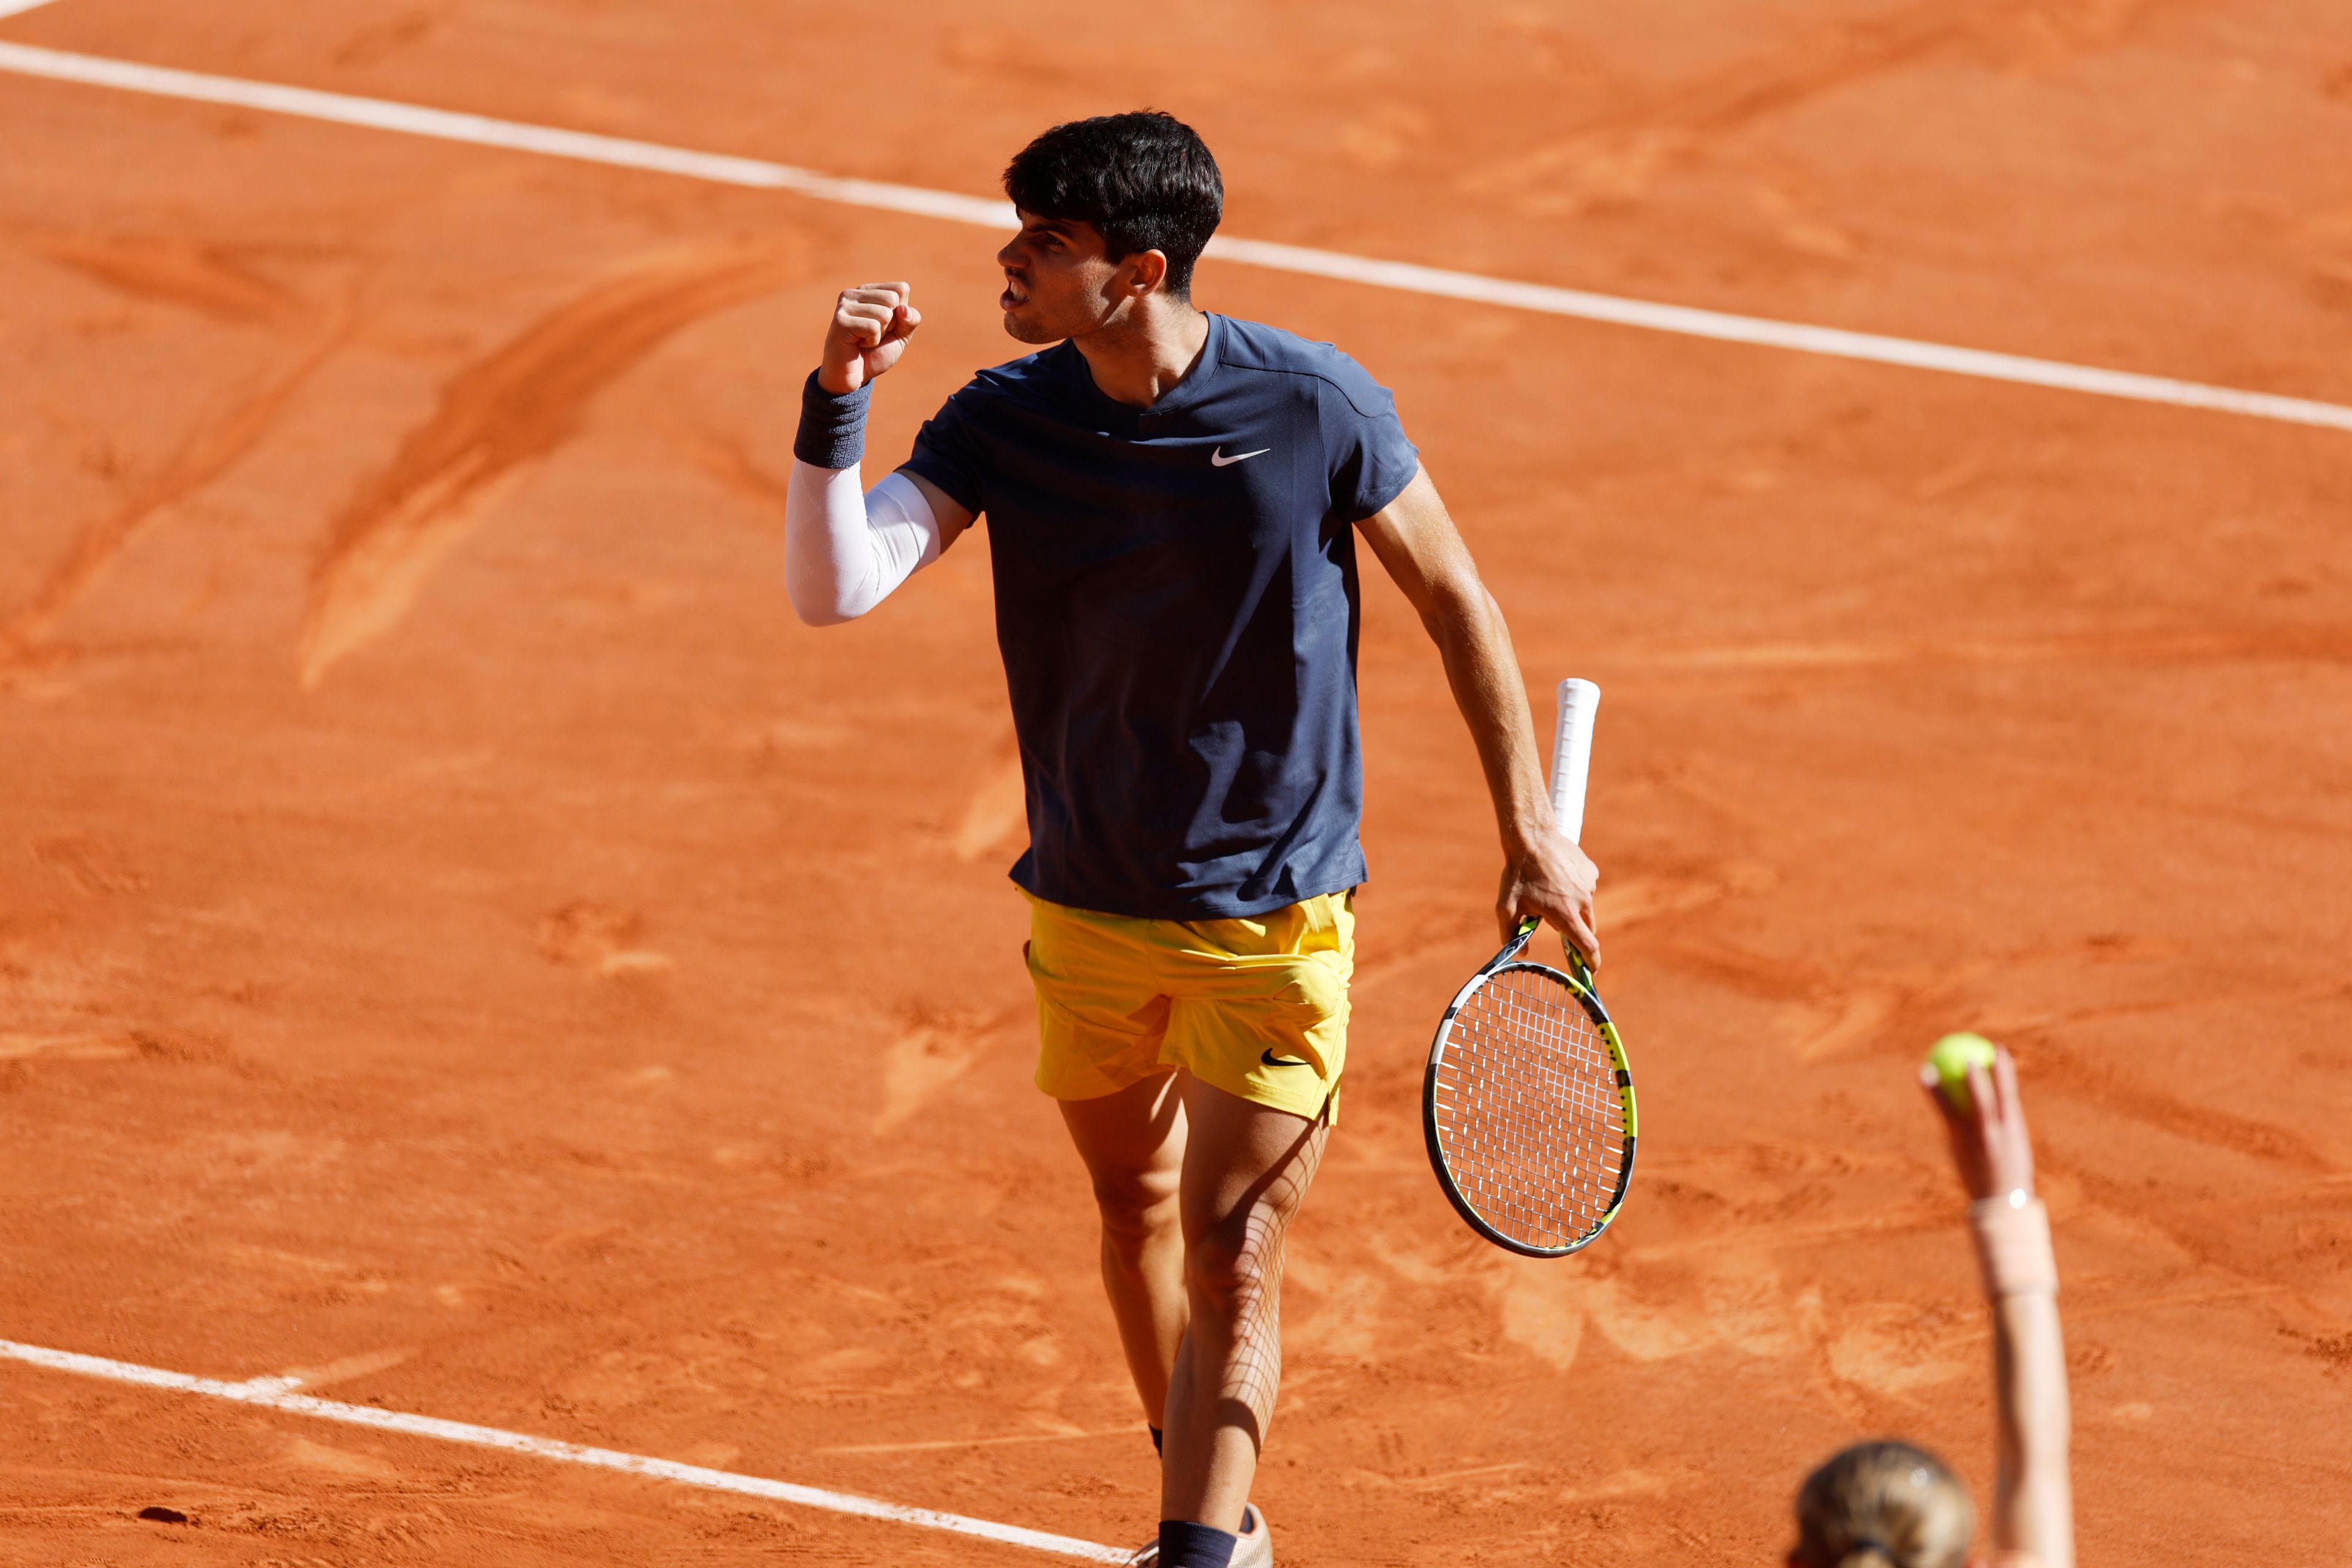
(466, 946)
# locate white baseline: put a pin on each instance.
(19, 7)
(1405, 276)
(274, 1394)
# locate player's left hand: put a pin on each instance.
(1551, 879)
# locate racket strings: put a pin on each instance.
(1528, 1114)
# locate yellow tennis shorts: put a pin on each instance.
(1255, 1007)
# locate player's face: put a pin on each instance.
(1058, 283)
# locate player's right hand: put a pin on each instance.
(1990, 1145)
(871, 324)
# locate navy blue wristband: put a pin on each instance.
(833, 429)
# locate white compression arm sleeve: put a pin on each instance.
(844, 548)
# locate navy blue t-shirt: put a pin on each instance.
(1176, 603)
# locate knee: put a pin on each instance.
(1230, 1261)
(1136, 1206)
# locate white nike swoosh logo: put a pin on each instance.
(1218, 458)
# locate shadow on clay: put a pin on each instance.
(498, 419)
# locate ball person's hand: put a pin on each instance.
(1989, 1142)
(870, 326)
(1551, 879)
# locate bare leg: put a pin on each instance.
(1133, 1146)
(1246, 1169)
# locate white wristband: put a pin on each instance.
(2014, 1251)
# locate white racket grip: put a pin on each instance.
(1571, 754)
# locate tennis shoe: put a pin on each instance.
(1255, 1550)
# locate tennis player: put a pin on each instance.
(1174, 500)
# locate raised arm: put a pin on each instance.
(2034, 1498)
(1544, 874)
(847, 548)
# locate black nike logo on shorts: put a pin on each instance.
(1270, 1060)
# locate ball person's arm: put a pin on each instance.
(847, 548)
(1544, 873)
(2033, 1496)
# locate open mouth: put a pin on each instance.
(1013, 295)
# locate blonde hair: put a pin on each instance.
(1883, 1505)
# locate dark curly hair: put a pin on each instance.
(1144, 179)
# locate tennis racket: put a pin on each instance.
(1527, 1103)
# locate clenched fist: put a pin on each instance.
(871, 324)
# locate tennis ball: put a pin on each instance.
(1950, 1058)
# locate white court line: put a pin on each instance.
(447, 125)
(19, 7)
(273, 1394)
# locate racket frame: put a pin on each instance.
(1578, 980)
